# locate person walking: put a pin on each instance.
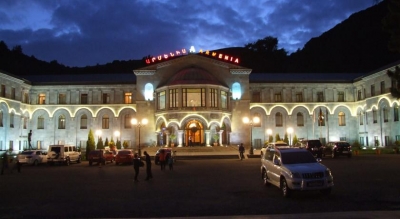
(241, 151)
(149, 175)
(162, 159)
(171, 162)
(136, 166)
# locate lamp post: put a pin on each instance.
(290, 131)
(139, 125)
(251, 123)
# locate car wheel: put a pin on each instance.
(35, 163)
(326, 191)
(286, 192)
(265, 177)
(67, 162)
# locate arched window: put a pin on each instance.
(342, 119)
(300, 119)
(148, 91)
(127, 121)
(105, 122)
(40, 122)
(278, 120)
(61, 122)
(236, 91)
(1, 118)
(84, 122)
(385, 115)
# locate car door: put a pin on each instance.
(274, 169)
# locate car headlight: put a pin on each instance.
(296, 175)
(328, 172)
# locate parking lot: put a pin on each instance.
(195, 188)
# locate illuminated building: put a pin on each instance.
(199, 98)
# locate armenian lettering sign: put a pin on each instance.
(182, 52)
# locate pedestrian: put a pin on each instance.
(162, 159)
(149, 175)
(136, 166)
(241, 151)
(171, 162)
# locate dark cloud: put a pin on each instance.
(80, 33)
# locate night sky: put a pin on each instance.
(89, 32)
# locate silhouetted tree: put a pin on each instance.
(90, 145)
(395, 76)
(391, 24)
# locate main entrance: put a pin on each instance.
(194, 134)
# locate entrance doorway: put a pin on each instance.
(194, 134)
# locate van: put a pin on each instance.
(63, 154)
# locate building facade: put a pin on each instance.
(195, 100)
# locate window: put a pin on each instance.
(25, 123)
(300, 119)
(361, 118)
(385, 114)
(161, 100)
(12, 120)
(382, 87)
(25, 98)
(341, 96)
(106, 98)
(61, 122)
(372, 90)
(278, 120)
(366, 118)
(13, 93)
(278, 97)
(396, 113)
(3, 90)
(40, 122)
(320, 97)
(193, 97)
(359, 95)
(256, 97)
(128, 98)
(62, 98)
(224, 100)
(173, 98)
(299, 97)
(84, 99)
(84, 122)
(320, 119)
(342, 139)
(213, 98)
(127, 121)
(362, 143)
(105, 124)
(342, 119)
(374, 116)
(236, 91)
(42, 99)
(1, 118)
(148, 92)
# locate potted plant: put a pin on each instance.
(378, 150)
(172, 137)
(356, 146)
(216, 138)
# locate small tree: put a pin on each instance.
(286, 139)
(118, 144)
(106, 143)
(277, 137)
(100, 143)
(271, 138)
(295, 140)
(90, 144)
(112, 143)
(125, 145)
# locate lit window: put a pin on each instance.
(161, 100)
(61, 122)
(213, 98)
(342, 119)
(173, 98)
(83, 122)
(128, 98)
(278, 97)
(42, 99)
(84, 99)
(224, 100)
(62, 99)
(236, 91)
(148, 91)
(105, 122)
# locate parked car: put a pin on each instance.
(32, 157)
(124, 156)
(314, 146)
(157, 155)
(338, 148)
(63, 154)
(100, 156)
(295, 169)
(273, 145)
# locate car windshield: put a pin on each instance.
(56, 149)
(343, 144)
(26, 152)
(297, 157)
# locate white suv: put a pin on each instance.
(63, 154)
(295, 169)
(273, 145)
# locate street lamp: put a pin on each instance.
(251, 123)
(139, 125)
(117, 134)
(290, 131)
